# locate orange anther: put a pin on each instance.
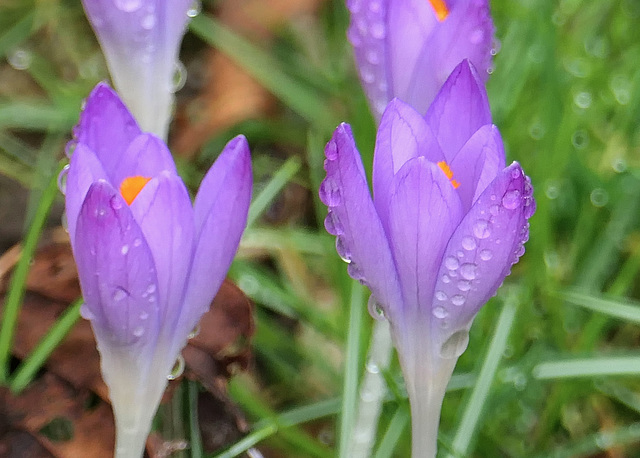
(447, 171)
(131, 187)
(440, 8)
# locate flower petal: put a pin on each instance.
(352, 217)
(84, 170)
(478, 163)
(164, 213)
(403, 134)
(115, 282)
(487, 243)
(221, 209)
(459, 110)
(140, 41)
(367, 33)
(466, 33)
(424, 210)
(146, 156)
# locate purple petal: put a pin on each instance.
(459, 110)
(140, 40)
(106, 127)
(115, 281)
(424, 210)
(164, 213)
(221, 209)
(411, 24)
(482, 250)
(368, 33)
(352, 217)
(403, 134)
(84, 170)
(478, 163)
(467, 33)
(145, 156)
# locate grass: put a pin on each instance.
(559, 375)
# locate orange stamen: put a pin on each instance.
(447, 171)
(440, 8)
(131, 187)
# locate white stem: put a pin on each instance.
(372, 391)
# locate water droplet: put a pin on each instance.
(178, 369)
(151, 288)
(494, 210)
(331, 151)
(139, 331)
(137, 242)
(373, 57)
(599, 197)
(20, 59)
(580, 139)
(125, 249)
(86, 313)
(62, 179)
(469, 243)
(372, 367)
(464, 286)
(441, 295)
(128, 6)
(378, 31)
(582, 100)
(330, 193)
(455, 345)
(355, 272)
(115, 202)
(458, 300)
(194, 332)
(446, 279)
(69, 148)
(619, 165)
(375, 309)
(144, 315)
(440, 312)
(343, 250)
(481, 229)
(511, 200)
(515, 173)
(519, 251)
(468, 271)
(486, 255)
(332, 224)
(194, 9)
(148, 21)
(496, 45)
(451, 263)
(119, 294)
(179, 77)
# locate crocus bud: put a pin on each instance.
(408, 48)
(149, 261)
(448, 221)
(140, 40)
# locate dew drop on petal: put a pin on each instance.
(86, 313)
(458, 300)
(331, 151)
(486, 255)
(468, 271)
(178, 369)
(440, 312)
(455, 345)
(446, 279)
(139, 331)
(179, 77)
(481, 229)
(451, 263)
(494, 210)
(137, 242)
(194, 9)
(116, 203)
(332, 224)
(441, 295)
(194, 332)
(62, 179)
(151, 288)
(469, 243)
(330, 193)
(125, 249)
(343, 251)
(511, 200)
(144, 316)
(375, 309)
(119, 294)
(355, 272)
(515, 173)
(128, 6)
(464, 285)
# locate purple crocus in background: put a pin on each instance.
(149, 262)
(140, 40)
(447, 223)
(408, 48)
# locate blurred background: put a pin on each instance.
(553, 361)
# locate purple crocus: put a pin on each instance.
(149, 262)
(408, 48)
(140, 40)
(447, 223)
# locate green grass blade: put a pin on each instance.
(398, 424)
(475, 406)
(17, 288)
(623, 309)
(30, 366)
(588, 367)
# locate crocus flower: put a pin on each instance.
(408, 48)
(447, 223)
(149, 262)
(140, 40)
